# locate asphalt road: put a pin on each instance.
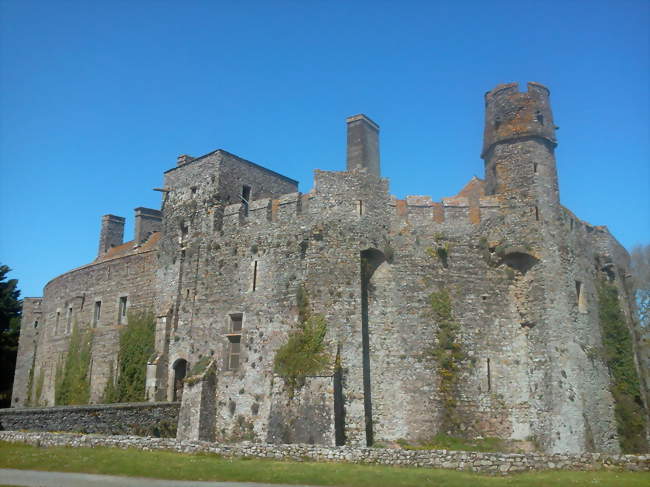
(35, 478)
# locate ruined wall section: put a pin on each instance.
(31, 325)
(70, 300)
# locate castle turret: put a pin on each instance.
(363, 144)
(519, 143)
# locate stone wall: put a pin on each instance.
(146, 419)
(494, 463)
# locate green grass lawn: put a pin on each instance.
(176, 466)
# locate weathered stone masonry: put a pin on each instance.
(222, 262)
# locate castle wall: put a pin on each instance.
(31, 326)
(130, 276)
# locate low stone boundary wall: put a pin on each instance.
(145, 419)
(495, 463)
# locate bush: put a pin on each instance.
(73, 375)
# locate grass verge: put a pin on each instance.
(176, 466)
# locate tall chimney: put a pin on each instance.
(147, 221)
(363, 144)
(112, 233)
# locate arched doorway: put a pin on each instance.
(180, 371)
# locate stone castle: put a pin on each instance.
(225, 260)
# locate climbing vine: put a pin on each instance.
(619, 356)
(448, 354)
(136, 346)
(304, 352)
(72, 383)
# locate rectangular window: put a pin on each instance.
(236, 322)
(56, 325)
(234, 342)
(254, 275)
(69, 320)
(97, 314)
(245, 198)
(360, 205)
(121, 311)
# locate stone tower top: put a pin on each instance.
(511, 114)
(363, 144)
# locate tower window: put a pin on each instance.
(245, 198)
(539, 117)
(68, 326)
(580, 297)
(489, 376)
(537, 213)
(121, 312)
(254, 276)
(535, 167)
(234, 341)
(56, 325)
(97, 313)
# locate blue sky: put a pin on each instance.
(98, 98)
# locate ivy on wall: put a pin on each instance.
(448, 354)
(72, 384)
(619, 356)
(136, 346)
(304, 352)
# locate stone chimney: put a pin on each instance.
(112, 233)
(183, 159)
(147, 221)
(363, 144)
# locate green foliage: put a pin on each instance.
(304, 352)
(136, 346)
(448, 354)
(73, 375)
(200, 366)
(446, 442)
(619, 355)
(441, 252)
(10, 308)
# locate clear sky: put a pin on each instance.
(98, 98)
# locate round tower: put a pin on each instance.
(519, 143)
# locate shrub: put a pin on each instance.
(73, 375)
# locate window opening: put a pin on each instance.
(56, 325)
(360, 207)
(245, 198)
(36, 324)
(536, 213)
(68, 325)
(489, 376)
(234, 341)
(180, 371)
(535, 167)
(254, 275)
(580, 297)
(97, 312)
(121, 313)
(539, 117)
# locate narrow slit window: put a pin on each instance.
(97, 314)
(56, 325)
(580, 298)
(36, 324)
(537, 213)
(360, 207)
(68, 325)
(535, 167)
(254, 276)
(245, 198)
(121, 313)
(489, 376)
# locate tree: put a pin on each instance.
(641, 278)
(10, 308)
